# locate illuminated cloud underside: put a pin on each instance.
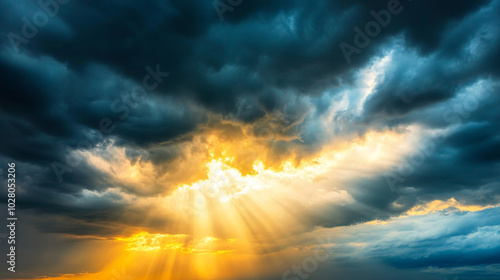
(262, 147)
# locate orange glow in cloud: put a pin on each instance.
(230, 216)
(440, 205)
(145, 241)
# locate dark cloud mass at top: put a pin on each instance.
(268, 67)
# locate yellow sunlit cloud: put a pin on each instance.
(440, 205)
(145, 241)
(242, 208)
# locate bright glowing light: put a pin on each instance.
(145, 241)
(241, 207)
(440, 205)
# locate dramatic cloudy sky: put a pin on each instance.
(252, 139)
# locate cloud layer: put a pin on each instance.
(268, 84)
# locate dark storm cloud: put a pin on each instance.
(261, 46)
(444, 240)
(285, 46)
(277, 61)
(463, 164)
(470, 241)
(415, 81)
